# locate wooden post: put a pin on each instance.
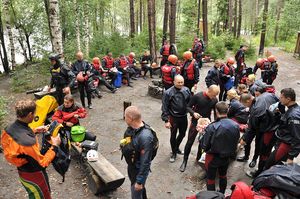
(125, 105)
(297, 48)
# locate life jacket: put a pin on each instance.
(166, 73)
(123, 62)
(190, 73)
(227, 70)
(266, 65)
(166, 50)
(63, 114)
(199, 49)
(129, 151)
(58, 77)
(109, 62)
(130, 60)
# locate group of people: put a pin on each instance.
(252, 108)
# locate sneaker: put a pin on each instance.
(99, 96)
(113, 90)
(242, 159)
(144, 78)
(252, 164)
(133, 78)
(173, 158)
(130, 85)
(179, 152)
(90, 106)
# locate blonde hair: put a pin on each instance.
(251, 77)
(232, 94)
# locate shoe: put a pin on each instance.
(130, 85)
(99, 96)
(90, 106)
(113, 90)
(173, 158)
(252, 164)
(144, 78)
(179, 152)
(133, 78)
(151, 77)
(183, 166)
(242, 159)
(253, 174)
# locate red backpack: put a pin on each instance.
(241, 190)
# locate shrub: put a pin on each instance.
(216, 47)
(3, 111)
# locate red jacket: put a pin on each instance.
(63, 114)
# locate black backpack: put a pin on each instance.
(128, 150)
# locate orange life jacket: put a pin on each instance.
(123, 62)
(109, 61)
(130, 60)
(190, 73)
(166, 50)
(166, 73)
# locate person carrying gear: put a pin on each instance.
(139, 157)
(62, 78)
(240, 63)
(213, 75)
(226, 76)
(21, 148)
(108, 66)
(146, 61)
(220, 142)
(190, 70)
(69, 114)
(288, 132)
(174, 113)
(98, 70)
(132, 65)
(82, 70)
(268, 67)
(169, 71)
(261, 126)
(122, 65)
(198, 50)
(165, 52)
(200, 106)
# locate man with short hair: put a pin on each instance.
(143, 142)
(21, 148)
(174, 113)
(213, 75)
(288, 132)
(200, 106)
(219, 141)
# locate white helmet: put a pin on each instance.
(92, 155)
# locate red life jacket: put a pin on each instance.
(227, 70)
(166, 73)
(123, 62)
(61, 115)
(190, 73)
(199, 49)
(109, 61)
(130, 60)
(166, 50)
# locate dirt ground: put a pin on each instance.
(106, 121)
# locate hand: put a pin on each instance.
(66, 90)
(196, 115)
(76, 116)
(289, 161)
(88, 73)
(242, 142)
(138, 187)
(69, 124)
(168, 125)
(49, 89)
(55, 140)
(41, 129)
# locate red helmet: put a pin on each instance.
(230, 60)
(187, 55)
(173, 59)
(131, 54)
(259, 61)
(80, 77)
(271, 58)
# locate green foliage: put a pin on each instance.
(184, 43)
(216, 47)
(3, 111)
(288, 45)
(30, 77)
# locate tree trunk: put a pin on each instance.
(235, 18)
(204, 17)
(63, 20)
(137, 21)
(141, 15)
(240, 19)
(55, 28)
(6, 5)
(77, 28)
(87, 28)
(172, 25)
(132, 26)
(229, 23)
(27, 35)
(151, 27)
(102, 12)
(20, 40)
(263, 28)
(256, 16)
(4, 59)
(145, 14)
(46, 3)
(166, 20)
(280, 4)
(198, 18)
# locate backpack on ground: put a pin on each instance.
(207, 195)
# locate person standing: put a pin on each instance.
(139, 159)
(213, 75)
(226, 78)
(220, 142)
(169, 71)
(82, 70)
(21, 148)
(62, 78)
(190, 70)
(240, 63)
(288, 132)
(165, 52)
(174, 113)
(198, 49)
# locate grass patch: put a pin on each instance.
(3, 110)
(30, 77)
